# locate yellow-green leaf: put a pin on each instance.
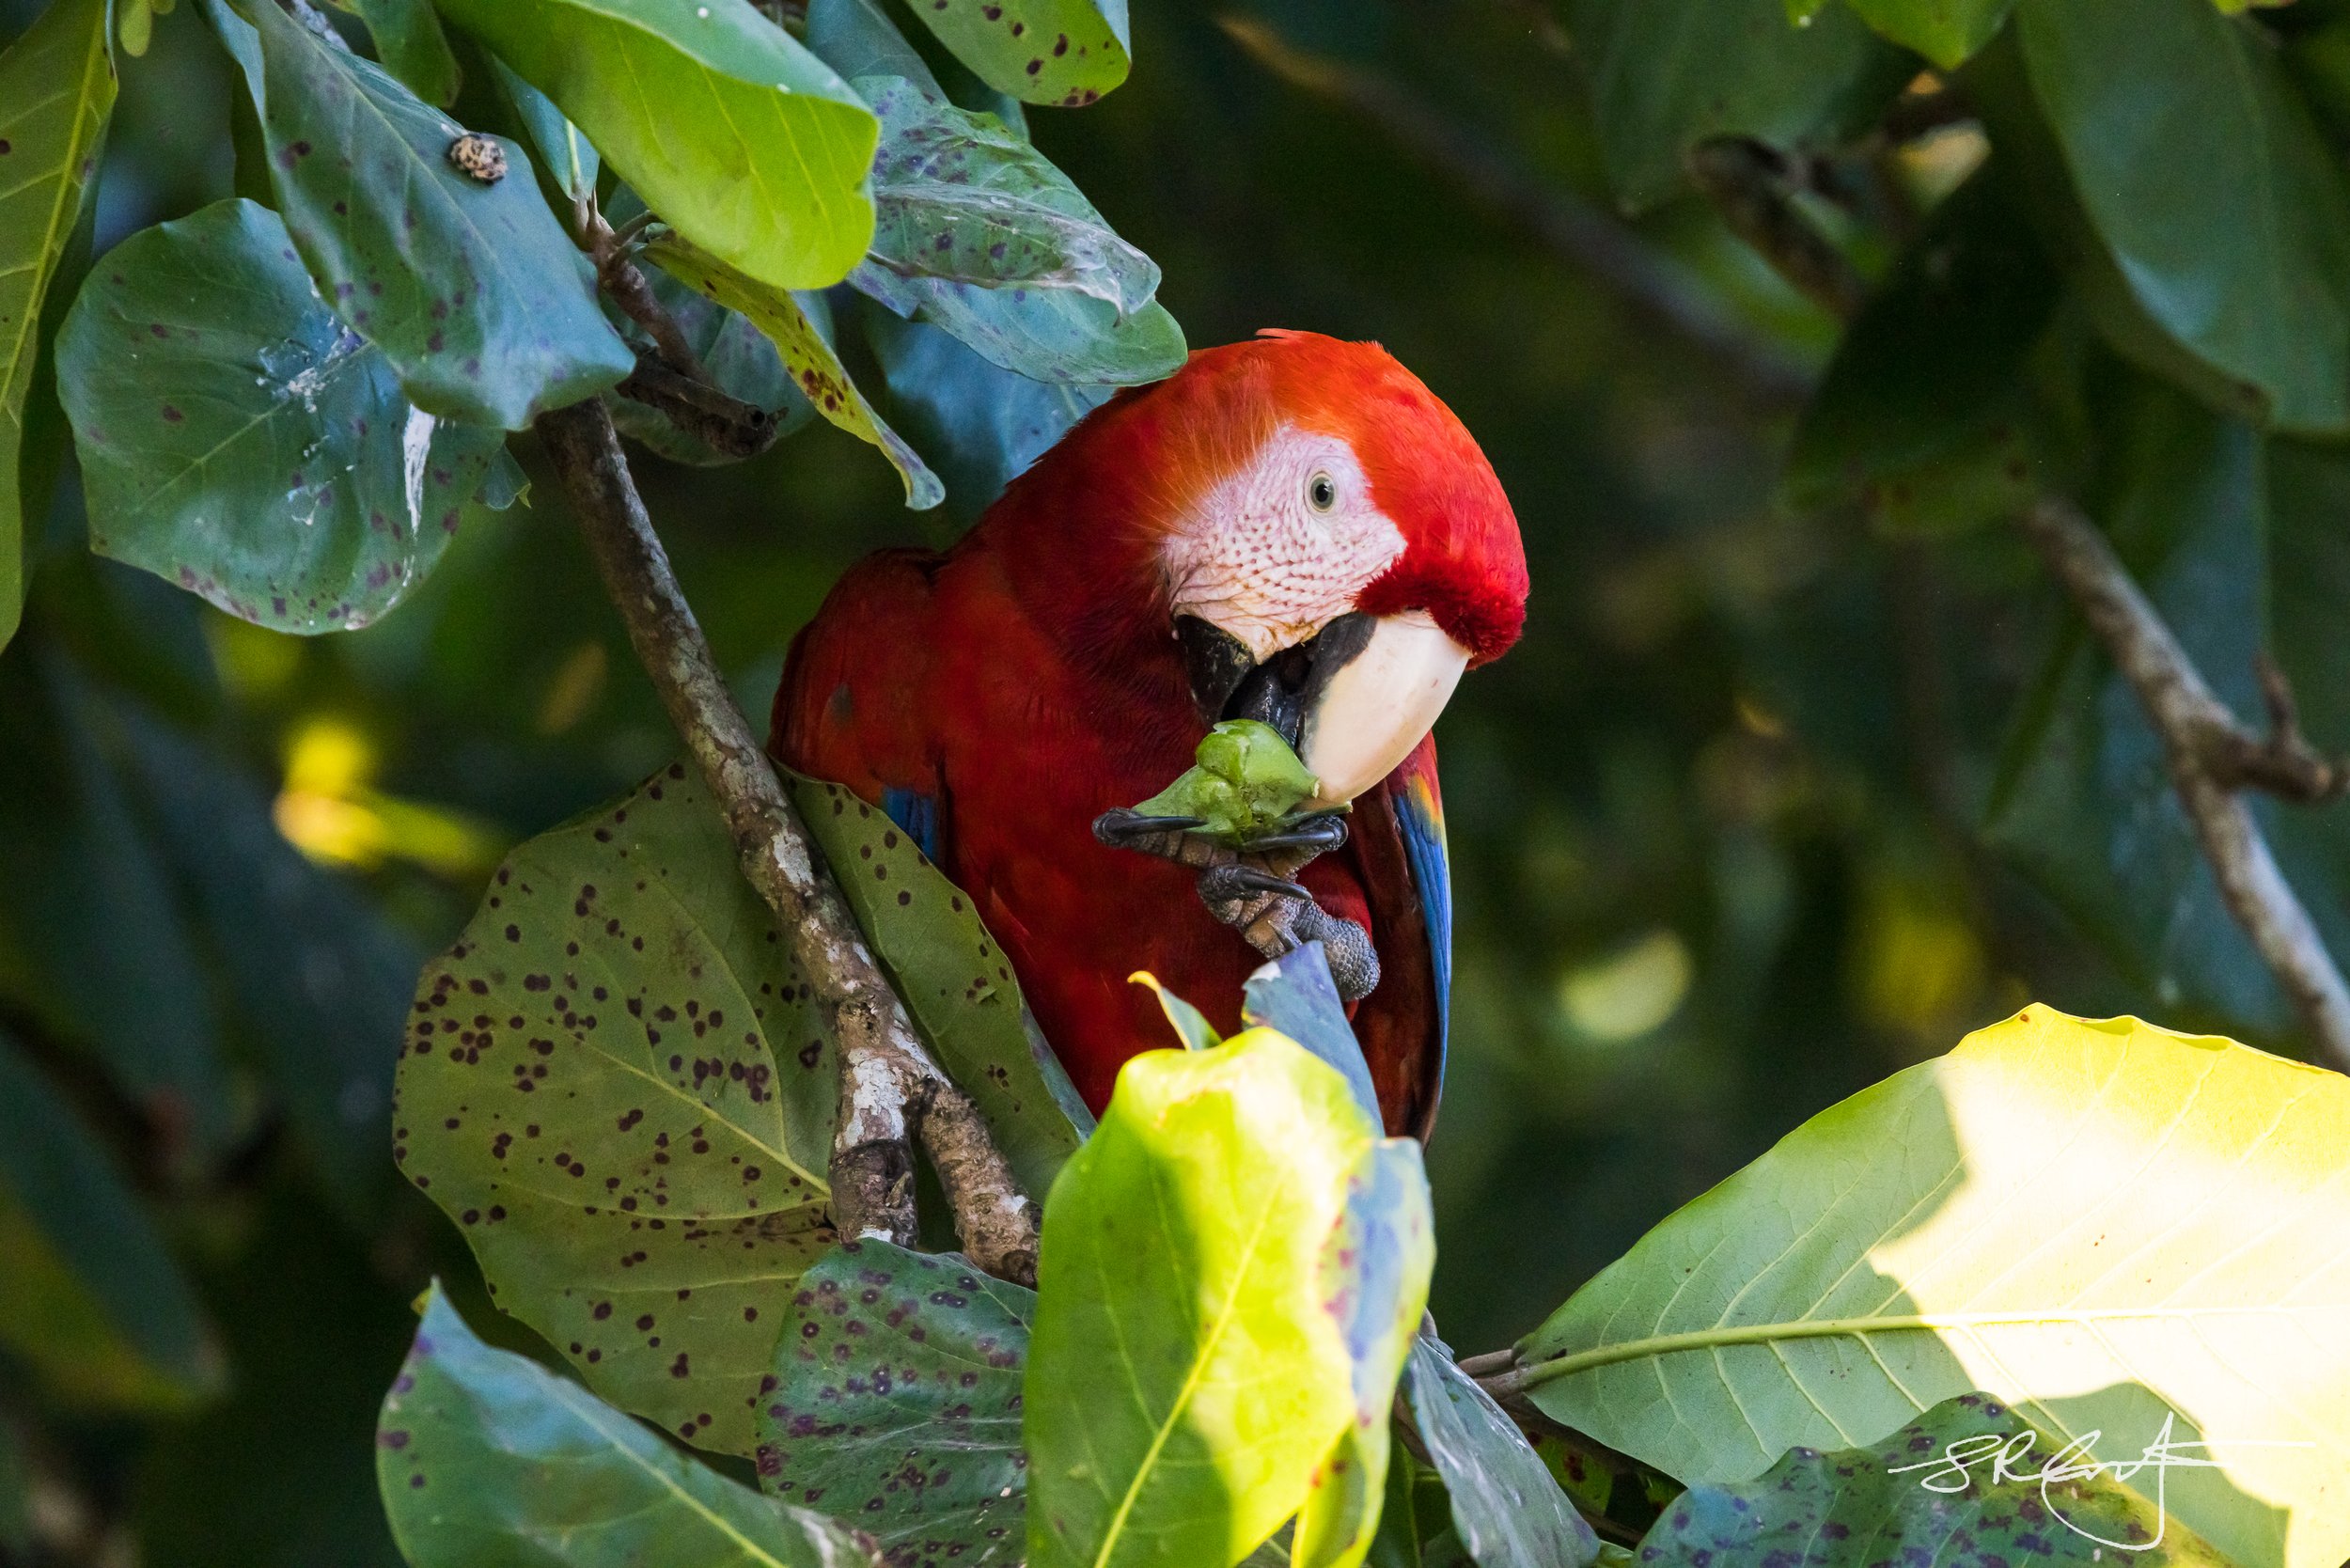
(56, 90)
(2107, 1224)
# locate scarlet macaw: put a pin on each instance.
(1292, 529)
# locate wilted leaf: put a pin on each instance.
(240, 441)
(616, 1085)
(486, 1460)
(87, 1294)
(409, 41)
(1925, 413)
(1666, 77)
(1506, 1510)
(956, 983)
(1196, 1259)
(896, 1404)
(1967, 1476)
(483, 306)
(56, 90)
(1064, 51)
(750, 146)
(806, 352)
(2206, 180)
(980, 425)
(1944, 31)
(2042, 1215)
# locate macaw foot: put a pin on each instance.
(1276, 918)
(1249, 888)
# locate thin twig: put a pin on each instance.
(1754, 186)
(1653, 284)
(721, 422)
(618, 276)
(891, 1090)
(2210, 758)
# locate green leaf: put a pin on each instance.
(2083, 804)
(2040, 1215)
(1062, 52)
(981, 425)
(1239, 1256)
(1666, 77)
(56, 90)
(1295, 995)
(978, 233)
(87, 1294)
(483, 304)
(1925, 414)
(1968, 1470)
(1944, 31)
(485, 1460)
(1506, 1508)
(958, 985)
(320, 979)
(409, 41)
(896, 1404)
(617, 1087)
(88, 905)
(746, 144)
(855, 39)
(237, 439)
(2209, 184)
(1190, 1024)
(570, 156)
(807, 353)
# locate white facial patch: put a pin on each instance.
(1263, 558)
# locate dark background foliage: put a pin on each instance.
(1716, 822)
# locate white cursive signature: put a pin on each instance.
(2075, 1461)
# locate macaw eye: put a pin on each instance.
(1321, 492)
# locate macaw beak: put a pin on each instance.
(1354, 699)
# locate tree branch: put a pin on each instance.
(2210, 758)
(1653, 284)
(891, 1091)
(722, 422)
(1753, 186)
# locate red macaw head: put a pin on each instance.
(1319, 533)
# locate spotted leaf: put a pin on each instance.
(1061, 51)
(616, 1085)
(238, 439)
(896, 1404)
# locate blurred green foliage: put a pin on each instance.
(1717, 822)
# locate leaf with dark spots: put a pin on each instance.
(1961, 1484)
(791, 323)
(896, 1404)
(296, 488)
(486, 1460)
(930, 938)
(483, 304)
(640, 1168)
(1066, 53)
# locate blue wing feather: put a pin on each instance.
(1422, 818)
(916, 816)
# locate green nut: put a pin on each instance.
(1245, 783)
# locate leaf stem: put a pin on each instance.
(891, 1090)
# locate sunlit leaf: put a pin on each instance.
(2107, 1225)
(1064, 51)
(2206, 180)
(484, 306)
(1969, 1470)
(1234, 1250)
(750, 146)
(239, 440)
(896, 1404)
(56, 90)
(806, 352)
(737, 358)
(1666, 77)
(88, 1297)
(486, 1460)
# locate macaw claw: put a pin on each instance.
(1323, 832)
